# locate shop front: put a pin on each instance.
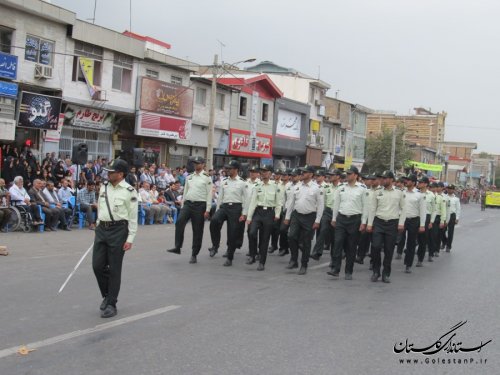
(290, 133)
(8, 97)
(164, 119)
(86, 125)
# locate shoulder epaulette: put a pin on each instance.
(130, 188)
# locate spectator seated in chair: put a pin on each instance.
(50, 194)
(52, 214)
(65, 192)
(88, 202)
(151, 206)
(20, 197)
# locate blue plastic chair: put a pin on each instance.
(41, 227)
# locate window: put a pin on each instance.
(243, 106)
(176, 80)
(265, 112)
(5, 39)
(152, 74)
(201, 96)
(39, 50)
(219, 101)
(122, 72)
(93, 53)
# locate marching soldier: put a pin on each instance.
(251, 182)
(439, 221)
(232, 195)
(424, 239)
(446, 200)
(289, 187)
(264, 209)
(197, 201)
(365, 237)
(115, 233)
(280, 179)
(416, 209)
(303, 213)
(326, 232)
(454, 209)
(387, 217)
(350, 212)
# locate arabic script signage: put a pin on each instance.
(89, 117)
(288, 125)
(8, 89)
(240, 144)
(166, 98)
(39, 111)
(168, 127)
(8, 66)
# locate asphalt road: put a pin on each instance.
(177, 318)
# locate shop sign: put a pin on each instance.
(288, 125)
(8, 66)
(8, 89)
(168, 127)
(166, 98)
(39, 111)
(89, 118)
(241, 144)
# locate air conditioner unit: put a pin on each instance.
(311, 139)
(43, 71)
(321, 140)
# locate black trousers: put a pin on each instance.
(400, 242)
(444, 237)
(231, 214)
(326, 232)
(451, 230)
(260, 232)
(275, 233)
(424, 239)
(410, 232)
(107, 259)
(301, 234)
(193, 211)
(435, 236)
(346, 238)
(284, 233)
(385, 233)
(365, 240)
(51, 216)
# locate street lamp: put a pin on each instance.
(211, 120)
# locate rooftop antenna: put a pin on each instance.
(93, 18)
(319, 72)
(130, 18)
(221, 46)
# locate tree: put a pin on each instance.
(378, 151)
(485, 155)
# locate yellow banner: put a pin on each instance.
(425, 166)
(87, 66)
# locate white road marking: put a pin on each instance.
(322, 265)
(98, 328)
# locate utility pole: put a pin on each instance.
(211, 119)
(393, 149)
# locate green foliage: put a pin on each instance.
(378, 151)
(485, 155)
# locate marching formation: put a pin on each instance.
(351, 216)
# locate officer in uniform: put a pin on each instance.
(197, 202)
(115, 232)
(265, 208)
(416, 209)
(387, 217)
(326, 232)
(439, 221)
(251, 183)
(365, 238)
(350, 212)
(280, 179)
(446, 199)
(424, 239)
(232, 195)
(453, 212)
(289, 187)
(304, 213)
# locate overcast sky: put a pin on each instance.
(383, 54)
